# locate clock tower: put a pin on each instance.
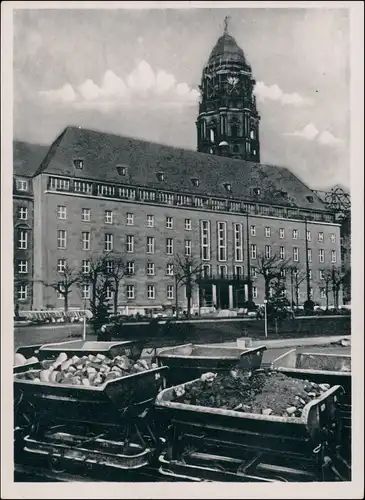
(228, 121)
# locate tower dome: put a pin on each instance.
(227, 49)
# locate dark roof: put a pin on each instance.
(103, 152)
(27, 158)
(227, 48)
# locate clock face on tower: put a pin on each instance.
(232, 84)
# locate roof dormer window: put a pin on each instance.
(227, 186)
(310, 199)
(195, 181)
(160, 176)
(121, 169)
(79, 164)
(257, 191)
(284, 194)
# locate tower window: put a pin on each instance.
(79, 164)
(195, 181)
(121, 170)
(160, 176)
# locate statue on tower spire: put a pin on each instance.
(226, 24)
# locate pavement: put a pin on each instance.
(293, 342)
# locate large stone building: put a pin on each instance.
(146, 202)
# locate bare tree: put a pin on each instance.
(326, 281)
(338, 279)
(297, 277)
(70, 276)
(271, 268)
(115, 269)
(187, 271)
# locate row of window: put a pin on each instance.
(295, 234)
(22, 292)
(296, 256)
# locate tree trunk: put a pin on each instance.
(267, 289)
(116, 291)
(65, 296)
(188, 296)
(327, 294)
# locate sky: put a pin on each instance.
(136, 73)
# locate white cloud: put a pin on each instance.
(65, 94)
(311, 133)
(328, 138)
(142, 85)
(274, 93)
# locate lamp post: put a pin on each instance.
(176, 297)
(248, 260)
(84, 322)
(307, 261)
(265, 307)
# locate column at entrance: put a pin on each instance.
(230, 296)
(214, 296)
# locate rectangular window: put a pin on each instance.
(254, 292)
(253, 230)
(206, 270)
(320, 236)
(267, 232)
(205, 239)
(23, 213)
(130, 292)
(130, 267)
(296, 254)
(170, 269)
(130, 219)
(253, 251)
(333, 238)
(108, 217)
(187, 224)
(61, 239)
(151, 291)
(85, 266)
(22, 266)
(61, 265)
(268, 251)
(323, 293)
(61, 291)
(57, 183)
(22, 292)
(83, 187)
(85, 214)
(253, 272)
(23, 240)
(282, 253)
(295, 234)
(109, 266)
(282, 273)
(281, 233)
(150, 244)
(169, 246)
(238, 242)
(309, 255)
(333, 256)
(170, 292)
(321, 256)
(130, 243)
(150, 269)
(238, 272)
(321, 274)
(150, 221)
(22, 185)
(62, 212)
(85, 292)
(187, 245)
(169, 223)
(86, 240)
(222, 271)
(309, 236)
(109, 293)
(108, 242)
(222, 241)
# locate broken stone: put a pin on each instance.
(291, 410)
(267, 411)
(324, 387)
(312, 394)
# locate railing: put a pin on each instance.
(213, 204)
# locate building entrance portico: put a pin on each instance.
(223, 293)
